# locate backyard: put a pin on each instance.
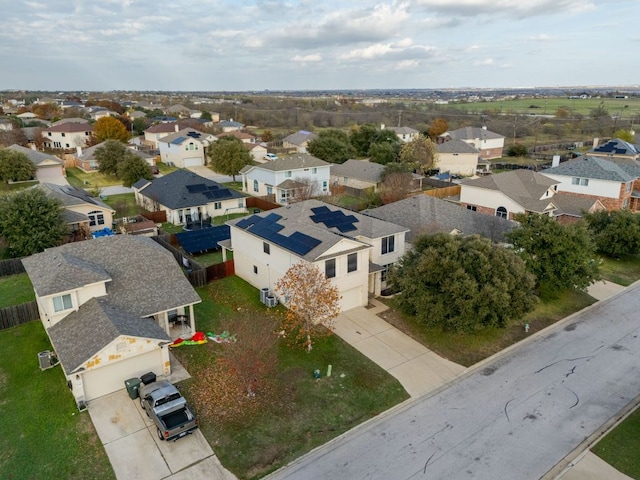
(15, 289)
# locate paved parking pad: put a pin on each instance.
(136, 456)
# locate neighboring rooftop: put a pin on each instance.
(456, 146)
(36, 157)
(616, 147)
(70, 196)
(597, 168)
(70, 127)
(471, 133)
(359, 170)
(299, 138)
(293, 162)
(423, 214)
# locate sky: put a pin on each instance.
(237, 45)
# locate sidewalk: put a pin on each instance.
(417, 368)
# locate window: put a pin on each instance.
(255, 269)
(266, 248)
(325, 186)
(255, 185)
(314, 170)
(67, 145)
(217, 205)
(385, 272)
(625, 204)
(580, 181)
(96, 217)
(352, 262)
(584, 182)
(473, 208)
(330, 268)
(241, 203)
(49, 133)
(287, 174)
(269, 190)
(502, 212)
(388, 244)
(63, 134)
(63, 302)
(628, 186)
(575, 181)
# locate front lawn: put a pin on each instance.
(305, 412)
(621, 446)
(468, 349)
(623, 272)
(43, 434)
(10, 187)
(15, 289)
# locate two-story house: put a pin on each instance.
(615, 149)
(358, 174)
(111, 307)
(488, 143)
(289, 178)
(405, 134)
(457, 158)
(188, 198)
(185, 148)
(67, 136)
(351, 249)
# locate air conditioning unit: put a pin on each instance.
(264, 293)
(271, 301)
(82, 405)
(44, 358)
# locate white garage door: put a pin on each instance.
(110, 378)
(351, 299)
(192, 162)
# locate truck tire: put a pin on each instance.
(160, 435)
(145, 410)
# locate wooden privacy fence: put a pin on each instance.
(444, 192)
(18, 314)
(157, 217)
(261, 203)
(11, 266)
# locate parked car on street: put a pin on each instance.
(270, 156)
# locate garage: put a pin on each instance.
(193, 162)
(352, 299)
(110, 377)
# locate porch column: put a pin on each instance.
(192, 320)
(165, 318)
(224, 254)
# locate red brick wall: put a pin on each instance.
(489, 153)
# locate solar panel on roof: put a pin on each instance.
(322, 209)
(175, 141)
(193, 134)
(204, 239)
(196, 188)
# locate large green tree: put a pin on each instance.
(463, 284)
(110, 128)
(132, 168)
(616, 233)
(560, 256)
(15, 166)
(109, 155)
(332, 145)
(421, 153)
(31, 221)
(228, 156)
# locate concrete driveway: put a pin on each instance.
(417, 368)
(206, 172)
(135, 451)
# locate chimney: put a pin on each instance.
(484, 127)
(556, 161)
(78, 151)
(382, 126)
(177, 127)
(596, 142)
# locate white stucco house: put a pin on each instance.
(185, 148)
(67, 136)
(352, 250)
(187, 197)
(108, 306)
(457, 158)
(405, 134)
(288, 178)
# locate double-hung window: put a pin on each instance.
(352, 262)
(330, 268)
(388, 244)
(62, 302)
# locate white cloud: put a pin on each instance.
(500, 8)
(543, 37)
(316, 57)
(487, 62)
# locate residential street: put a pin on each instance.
(516, 417)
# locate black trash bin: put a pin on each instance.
(133, 387)
(148, 378)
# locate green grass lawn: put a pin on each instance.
(468, 349)
(623, 272)
(309, 412)
(15, 289)
(81, 179)
(164, 168)
(124, 204)
(43, 434)
(621, 446)
(10, 187)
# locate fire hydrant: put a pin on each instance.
(526, 328)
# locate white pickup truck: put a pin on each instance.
(163, 403)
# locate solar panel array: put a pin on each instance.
(211, 192)
(334, 218)
(268, 228)
(203, 239)
(610, 147)
(178, 140)
(193, 134)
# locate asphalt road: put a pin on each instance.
(514, 418)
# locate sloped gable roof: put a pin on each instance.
(616, 146)
(456, 146)
(87, 331)
(36, 157)
(299, 137)
(596, 168)
(423, 214)
(360, 170)
(70, 196)
(292, 162)
(471, 133)
(182, 189)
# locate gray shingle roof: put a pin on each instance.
(90, 153)
(36, 157)
(70, 196)
(359, 170)
(296, 218)
(172, 190)
(523, 186)
(456, 146)
(572, 204)
(83, 333)
(145, 278)
(616, 146)
(596, 168)
(471, 133)
(402, 130)
(300, 137)
(293, 162)
(423, 214)
(187, 135)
